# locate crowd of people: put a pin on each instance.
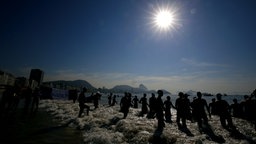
(12, 96)
(197, 110)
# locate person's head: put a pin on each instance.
(213, 100)
(84, 89)
(160, 93)
(144, 95)
(235, 100)
(246, 97)
(168, 98)
(152, 94)
(218, 96)
(181, 94)
(199, 94)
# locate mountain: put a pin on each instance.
(78, 84)
(141, 86)
(140, 89)
(126, 88)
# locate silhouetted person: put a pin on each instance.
(167, 109)
(236, 109)
(250, 107)
(135, 101)
(74, 97)
(187, 107)
(28, 95)
(193, 111)
(96, 98)
(6, 101)
(82, 100)
(212, 107)
(125, 104)
(254, 107)
(245, 107)
(223, 112)
(144, 107)
(199, 106)
(16, 98)
(182, 106)
(114, 101)
(35, 101)
(159, 110)
(110, 99)
(152, 106)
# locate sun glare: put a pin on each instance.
(165, 18)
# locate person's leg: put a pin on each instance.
(183, 119)
(81, 111)
(223, 121)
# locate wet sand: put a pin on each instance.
(37, 128)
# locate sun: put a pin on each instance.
(164, 19)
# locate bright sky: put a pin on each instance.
(211, 47)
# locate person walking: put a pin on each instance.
(167, 109)
(198, 107)
(125, 104)
(144, 107)
(82, 105)
(223, 111)
(159, 110)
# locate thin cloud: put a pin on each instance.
(195, 63)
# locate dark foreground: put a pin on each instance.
(36, 128)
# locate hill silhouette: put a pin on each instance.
(78, 84)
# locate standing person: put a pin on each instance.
(96, 98)
(135, 102)
(125, 105)
(199, 106)
(82, 100)
(187, 108)
(28, 95)
(167, 108)
(144, 107)
(16, 99)
(74, 97)
(36, 98)
(180, 105)
(212, 107)
(236, 109)
(152, 106)
(223, 111)
(114, 101)
(110, 99)
(159, 110)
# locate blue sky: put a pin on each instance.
(112, 42)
